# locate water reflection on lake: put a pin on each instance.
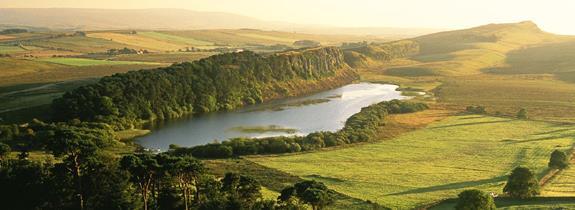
(324, 111)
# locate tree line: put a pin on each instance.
(220, 82)
(360, 127)
(87, 177)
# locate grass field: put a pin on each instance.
(249, 37)
(543, 96)
(9, 49)
(563, 184)
(79, 44)
(91, 62)
(175, 39)
(510, 204)
(140, 41)
(429, 164)
(12, 66)
(176, 57)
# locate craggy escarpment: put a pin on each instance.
(220, 82)
(364, 55)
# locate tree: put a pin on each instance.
(522, 184)
(108, 187)
(475, 200)
(242, 191)
(317, 198)
(4, 151)
(76, 150)
(558, 160)
(186, 171)
(522, 113)
(143, 170)
(23, 185)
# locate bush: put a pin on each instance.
(476, 109)
(475, 200)
(558, 160)
(522, 114)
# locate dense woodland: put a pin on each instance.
(220, 82)
(88, 178)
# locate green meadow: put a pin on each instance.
(434, 163)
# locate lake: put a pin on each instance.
(323, 111)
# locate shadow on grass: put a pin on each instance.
(472, 123)
(543, 138)
(323, 178)
(555, 131)
(452, 186)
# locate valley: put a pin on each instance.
(286, 107)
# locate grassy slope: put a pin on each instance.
(176, 57)
(249, 36)
(13, 67)
(175, 39)
(544, 97)
(466, 52)
(563, 184)
(433, 163)
(79, 44)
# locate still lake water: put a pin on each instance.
(323, 111)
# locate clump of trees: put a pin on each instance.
(89, 179)
(476, 109)
(312, 192)
(220, 82)
(38, 135)
(475, 200)
(125, 51)
(522, 184)
(360, 127)
(558, 160)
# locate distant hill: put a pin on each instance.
(471, 51)
(173, 19)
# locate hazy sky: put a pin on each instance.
(552, 15)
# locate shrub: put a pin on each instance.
(522, 114)
(476, 109)
(558, 160)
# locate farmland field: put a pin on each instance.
(430, 164)
(6, 49)
(78, 44)
(137, 40)
(91, 62)
(542, 95)
(561, 185)
(176, 57)
(175, 39)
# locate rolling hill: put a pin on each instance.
(471, 51)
